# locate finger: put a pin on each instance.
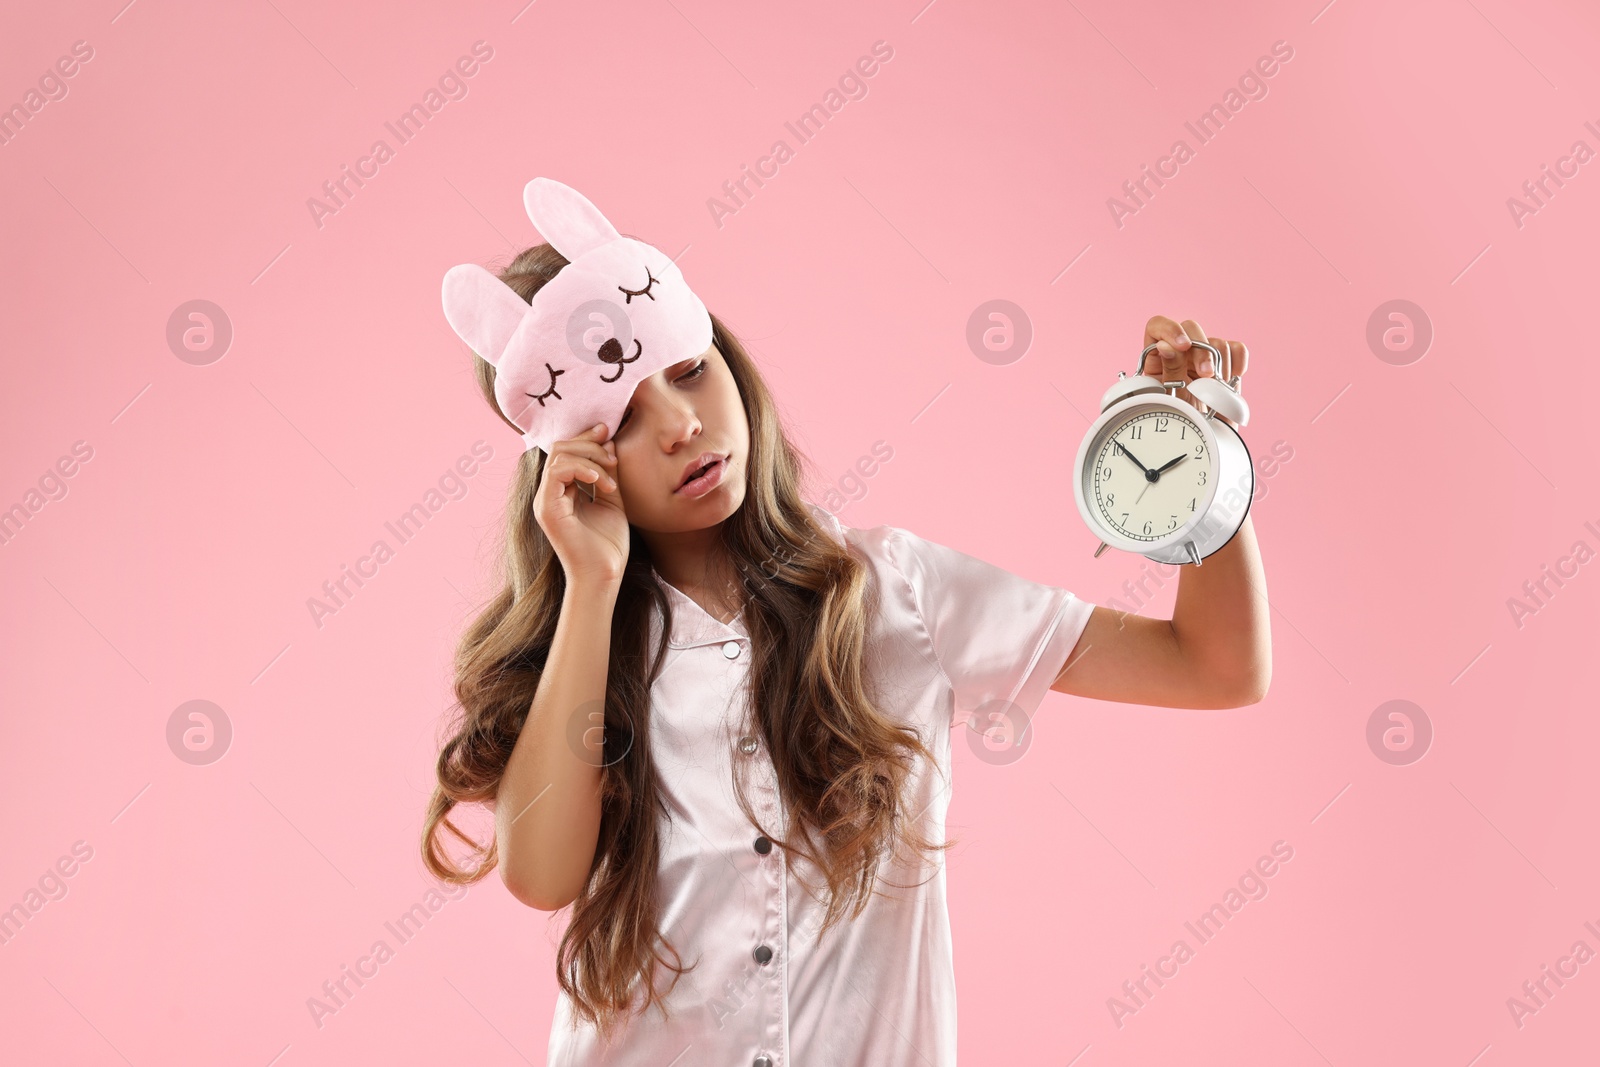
(1165, 363)
(1160, 331)
(1161, 328)
(587, 487)
(1241, 360)
(552, 488)
(1197, 355)
(1209, 366)
(583, 445)
(592, 441)
(597, 434)
(1193, 360)
(560, 473)
(570, 467)
(548, 497)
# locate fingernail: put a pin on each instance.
(597, 427)
(1207, 366)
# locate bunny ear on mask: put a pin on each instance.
(566, 218)
(482, 310)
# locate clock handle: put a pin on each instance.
(1221, 397)
(1216, 357)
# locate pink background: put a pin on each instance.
(220, 497)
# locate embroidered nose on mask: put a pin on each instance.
(611, 352)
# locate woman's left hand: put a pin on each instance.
(1178, 358)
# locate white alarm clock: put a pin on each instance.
(1157, 478)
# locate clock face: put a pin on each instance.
(1151, 474)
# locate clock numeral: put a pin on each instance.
(1191, 502)
(1161, 425)
(1111, 500)
(1174, 524)
(1124, 518)
(1199, 450)
(1147, 527)
(1134, 431)
(1105, 472)
(1203, 473)
(1183, 430)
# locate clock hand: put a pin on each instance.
(1133, 457)
(1172, 463)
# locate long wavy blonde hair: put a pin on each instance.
(841, 764)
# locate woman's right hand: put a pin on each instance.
(589, 537)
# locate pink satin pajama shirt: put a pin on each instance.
(952, 634)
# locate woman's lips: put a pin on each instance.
(698, 487)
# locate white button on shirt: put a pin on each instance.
(952, 634)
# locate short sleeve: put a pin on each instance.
(997, 635)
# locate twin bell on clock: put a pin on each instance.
(1155, 477)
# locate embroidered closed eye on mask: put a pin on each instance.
(619, 311)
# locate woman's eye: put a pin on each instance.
(688, 376)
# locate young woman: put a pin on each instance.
(716, 723)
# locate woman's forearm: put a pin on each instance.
(1221, 619)
(547, 811)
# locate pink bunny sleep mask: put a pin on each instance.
(617, 313)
